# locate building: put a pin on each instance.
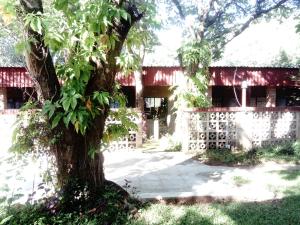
(265, 86)
(255, 94)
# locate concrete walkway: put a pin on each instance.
(174, 174)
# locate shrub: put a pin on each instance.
(289, 151)
(228, 157)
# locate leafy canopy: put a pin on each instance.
(209, 25)
(79, 35)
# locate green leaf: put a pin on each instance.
(66, 104)
(74, 103)
(56, 120)
(124, 14)
(60, 4)
(35, 23)
(22, 47)
(5, 220)
(73, 117)
(67, 118)
(76, 125)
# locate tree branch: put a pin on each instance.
(180, 9)
(259, 12)
(38, 59)
(211, 20)
(104, 74)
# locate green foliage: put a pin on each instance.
(285, 152)
(32, 133)
(208, 27)
(228, 157)
(195, 58)
(79, 35)
(74, 205)
(141, 39)
(283, 59)
(170, 143)
(277, 212)
(240, 181)
(116, 131)
(195, 55)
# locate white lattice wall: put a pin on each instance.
(211, 130)
(128, 142)
(8, 119)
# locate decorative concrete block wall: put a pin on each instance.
(8, 118)
(128, 142)
(239, 129)
(6, 123)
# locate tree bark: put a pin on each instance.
(75, 163)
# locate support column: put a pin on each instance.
(171, 117)
(209, 94)
(139, 104)
(244, 123)
(3, 98)
(156, 129)
(298, 125)
(244, 94)
(271, 97)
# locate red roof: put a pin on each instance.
(14, 77)
(220, 76)
(255, 76)
(168, 76)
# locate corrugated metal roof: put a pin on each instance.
(14, 77)
(168, 76)
(220, 76)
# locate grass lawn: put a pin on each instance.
(284, 211)
(288, 152)
(280, 212)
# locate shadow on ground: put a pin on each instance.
(280, 212)
(165, 175)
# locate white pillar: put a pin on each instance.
(244, 130)
(3, 98)
(244, 94)
(271, 97)
(139, 104)
(156, 129)
(139, 135)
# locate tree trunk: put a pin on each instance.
(74, 160)
(73, 150)
(139, 89)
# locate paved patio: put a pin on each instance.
(157, 175)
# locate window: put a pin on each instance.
(16, 97)
(258, 96)
(156, 107)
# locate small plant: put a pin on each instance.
(170, 144)
(240, 181)
(287, 152)
(75, 205)
(130, 189)
(228, 157)
(284, 152)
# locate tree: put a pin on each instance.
(87, 39)
(283, 59)
(211, 24)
